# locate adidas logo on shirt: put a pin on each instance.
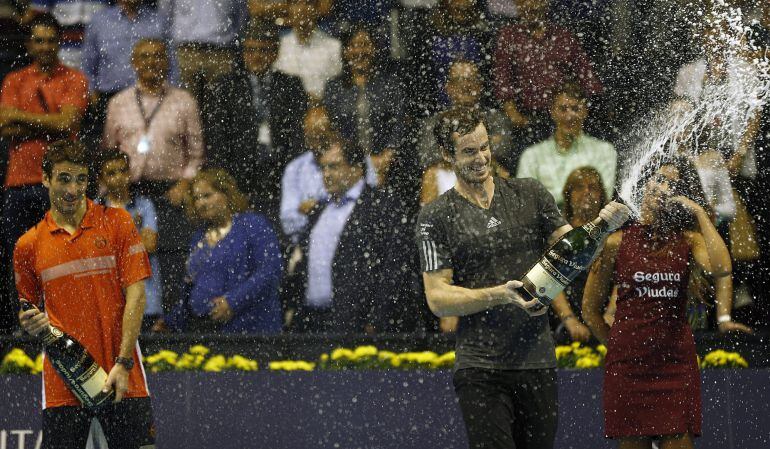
(493, 222)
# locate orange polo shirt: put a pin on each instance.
(82, 277)
(31, 90)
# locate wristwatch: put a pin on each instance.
(127, 363)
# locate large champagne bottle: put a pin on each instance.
(84, 377)
(563, 262)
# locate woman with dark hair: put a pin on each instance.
(234, 266)
(651, 369)
(584, 196)
(365, 101)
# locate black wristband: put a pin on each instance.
(128, 363)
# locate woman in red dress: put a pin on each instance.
(651, 381)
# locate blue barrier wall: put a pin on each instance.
(376, 409)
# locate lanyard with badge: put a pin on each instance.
(143, 147)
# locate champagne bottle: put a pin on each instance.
(563, 262)
(84, 377)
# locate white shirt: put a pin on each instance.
(315, 63)
(322, 246)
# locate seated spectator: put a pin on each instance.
(252, 120)
(156, 124)
(39, 104)
(584, 196)
(336, 296)
(534, 57)
(115, 183)
(455, 29)
(107, 44)
(302, 183)
(234, 264)
(464, 86)
(302, 186)
(552, 160)
(307, 52)
(365, 102)
(204, 34)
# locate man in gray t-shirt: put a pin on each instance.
(475, 241)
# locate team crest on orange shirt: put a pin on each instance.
(100, 242)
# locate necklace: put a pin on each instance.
(214, 235)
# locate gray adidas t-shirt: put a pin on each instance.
(487, 247)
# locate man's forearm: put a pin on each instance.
(62, 122)
(452, 300)
(132, 318)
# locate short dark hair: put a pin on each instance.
(456, 120)
(72, 151)
(570, 89)
(353, 154)
(113, 154)
(264, 32)
(45, 19)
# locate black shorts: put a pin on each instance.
(507, 409)
(126, 425)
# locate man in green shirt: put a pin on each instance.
(552, 160)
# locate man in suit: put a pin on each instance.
(252, 120)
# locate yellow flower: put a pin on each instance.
(38, 364)
(17, 361)
(364, 351)
(199, 350)
(444, 360)
(241, 363)
(215, 364)
(562, 351)
(291, 365)
(384, 356)
(601, 349)
(324, 357)
(342, 353)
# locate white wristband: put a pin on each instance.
(724, 319)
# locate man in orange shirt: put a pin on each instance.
(39, 104)
(87, 264)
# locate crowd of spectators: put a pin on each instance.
(275, 153)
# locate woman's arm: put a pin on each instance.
(599, 286)
(265, 259)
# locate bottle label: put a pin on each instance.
(93, 380)
(546, 284)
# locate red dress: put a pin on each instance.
(651, 378)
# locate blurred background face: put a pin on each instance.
(569, 113)
(43, 45)
(586, 195)
(150, 62)
(115, 175)
(338, 175)
(460, 10)
(259, 56)
(317, 129)
(210, 204)
(130, 4)
(359, 52)
(659, 189)
(303, 16)
(532, 11)
(464, 84)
